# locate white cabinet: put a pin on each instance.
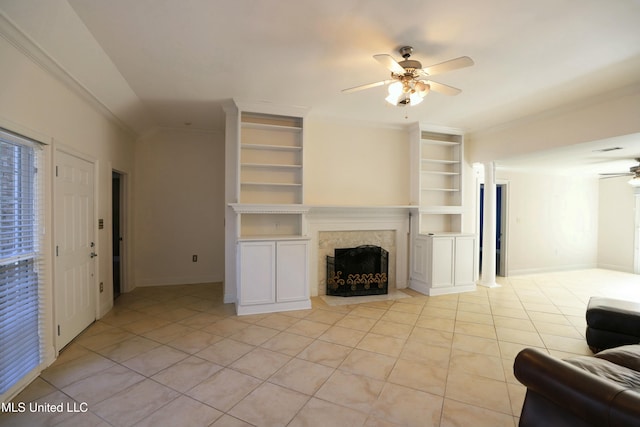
(444, 264)
(273, 276)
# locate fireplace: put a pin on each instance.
(363, 270)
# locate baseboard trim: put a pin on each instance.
(168, 281)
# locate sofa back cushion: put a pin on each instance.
(627, 356)
(625, 377)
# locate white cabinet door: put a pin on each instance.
(442, 257)
(419, 260)
(257, 273)
(291, 268)
(465, 264)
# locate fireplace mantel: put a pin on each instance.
(318, 209)
(359, 208)
(335, 218)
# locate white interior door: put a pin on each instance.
(75, 286)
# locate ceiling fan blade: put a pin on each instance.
(612, 176)
(444, 89)
(367, 86)
(388, 62)
(450, 65)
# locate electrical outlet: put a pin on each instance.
(194, 258)
(101, 287)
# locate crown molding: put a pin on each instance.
(11, 32)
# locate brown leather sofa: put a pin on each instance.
(599, 390)
(612, 323)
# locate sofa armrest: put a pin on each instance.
(585, 395)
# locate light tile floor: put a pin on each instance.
(178, 356)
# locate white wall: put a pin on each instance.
(616, 225)
(355, 164)
(552, 222)
(179, 207)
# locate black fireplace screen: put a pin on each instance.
(363, 270)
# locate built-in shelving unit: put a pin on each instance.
(266, 219)
(270, 159)
(257, 221)
(437, 176)
(443, 257)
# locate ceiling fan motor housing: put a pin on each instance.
(405, 51)
(410, 64)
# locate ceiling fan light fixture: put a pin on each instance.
(393, 99)
(395, 89)
(396, 92)
(422, 88)
(635, 170)
(415, 98)
(406, 88)
(403, 93)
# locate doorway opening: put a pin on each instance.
(117, 203)
(501, 193)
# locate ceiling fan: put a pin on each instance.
(409, 82)
(634, 172)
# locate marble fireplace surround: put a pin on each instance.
(340, 227)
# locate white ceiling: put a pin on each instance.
(179, 59)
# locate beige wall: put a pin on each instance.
(604, 117)
(34, 103)
(553, 219)
(179, 207)
(38, 105)
(616, 225)
(355, 164)
(552, 222)
(607, 116)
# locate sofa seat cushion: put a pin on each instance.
(625, 377)
(627, 356)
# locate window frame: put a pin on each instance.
(23, 263)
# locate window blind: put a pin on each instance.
(20, 259)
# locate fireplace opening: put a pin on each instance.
(362, 270)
